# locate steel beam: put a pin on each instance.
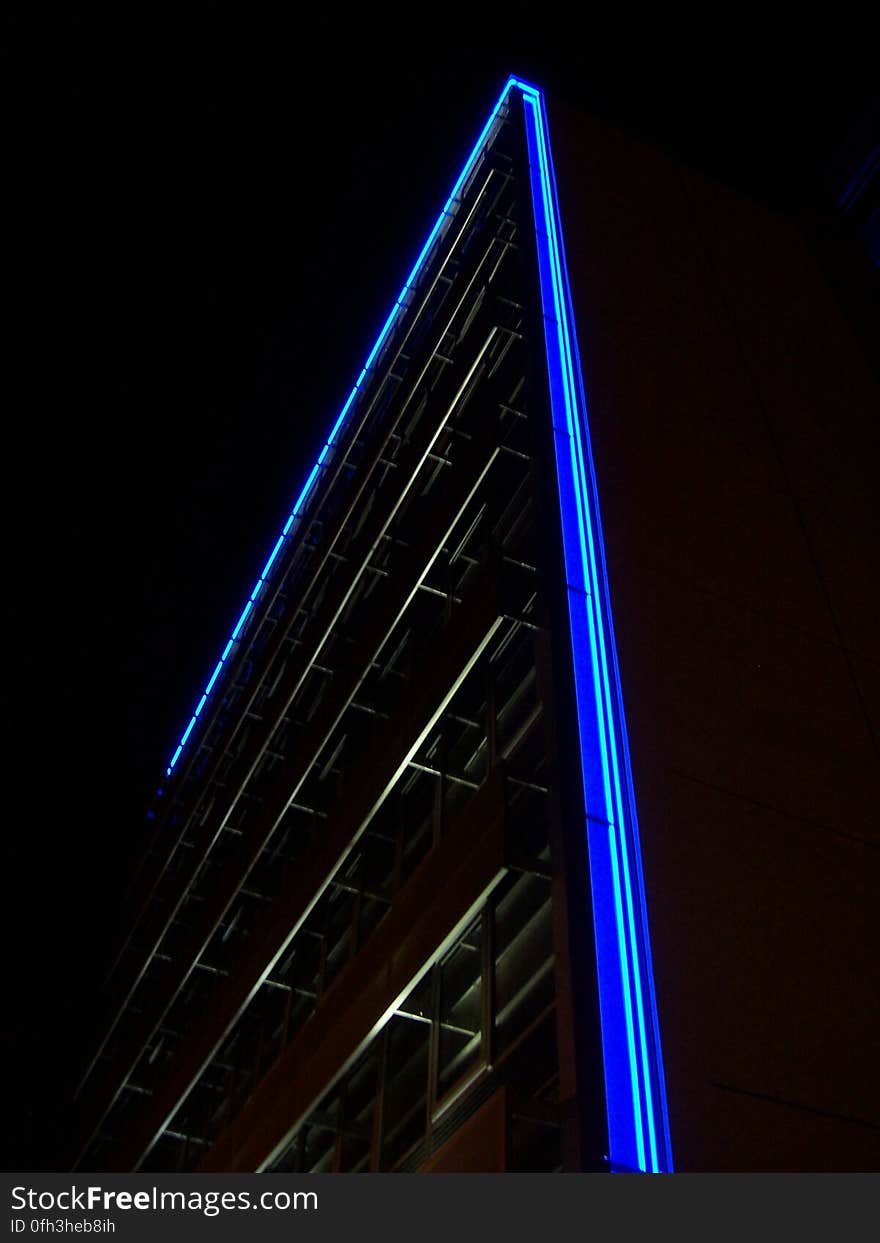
(461, 487)
(440, 899)
(156, 864)
(468, 634)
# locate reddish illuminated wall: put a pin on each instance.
(733, 425)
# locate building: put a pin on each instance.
(397, 915)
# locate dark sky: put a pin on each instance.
(206, 221)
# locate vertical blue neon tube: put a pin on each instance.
(635, 1091)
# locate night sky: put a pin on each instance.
(206, 221)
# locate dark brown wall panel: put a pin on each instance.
(479, 1146)
(734, 432)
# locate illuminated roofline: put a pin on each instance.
(400, 304)
(638, 1128)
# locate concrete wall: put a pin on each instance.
(734, 432)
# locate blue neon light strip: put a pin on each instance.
(638, 1127)
(448, 213)
(637, 1117)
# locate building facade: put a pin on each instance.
(396, 916)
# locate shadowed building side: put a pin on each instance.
(734, 426)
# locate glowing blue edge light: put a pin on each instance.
(400, 304)
(638, 1127)
(635, 1088)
